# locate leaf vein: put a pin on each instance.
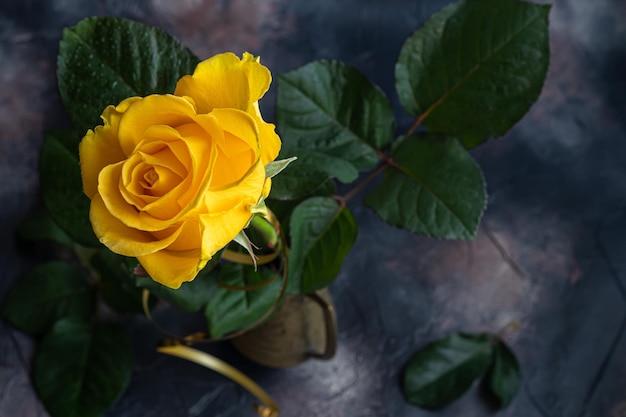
(430, 190)
(328, 114)
(473, 71)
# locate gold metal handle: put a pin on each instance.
(268, 408)
(330, 322)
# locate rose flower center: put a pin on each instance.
(153, 172)
(150, 178)
(158, 181)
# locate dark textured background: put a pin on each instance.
(550, 252)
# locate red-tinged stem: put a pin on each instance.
(418, 121)
(343, 200)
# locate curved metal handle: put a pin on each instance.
(330, 321)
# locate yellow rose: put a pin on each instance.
(173, 178)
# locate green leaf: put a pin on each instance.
(306, 174)
(46, 294)
(81, 369)
(230, 310)
(41, 226)
(433, 187)
(103, 60)
(62, 186)
(322, 233)
(443, 370)
(331, 108)
(117, 283)
(275, 167)
(297, 182)
(191, 296)
(505, 375)
(475, 67)
(283, 208)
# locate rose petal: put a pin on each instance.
(122, 239)
(249, 189)
(240, 149)
(259, 76)
(152, 110)
(132, 172)
(175, 154)
(123, 202)
(189, 238)
(269, 140)
(216, 82)
(166, 144)
(240, 124)
(267, 187)
(109, 187)
(100, 147)
(181, 260)
(172, 268)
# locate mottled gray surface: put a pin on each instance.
(549, 253)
